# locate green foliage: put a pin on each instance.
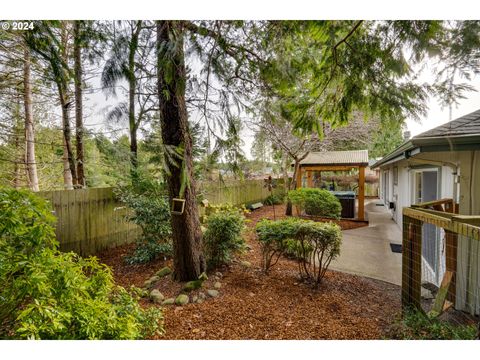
(47, 294)
(273, 199)
(293, 248)
(151, 212)
(223, 236)
(317, 202)
(224, 208)
(306, 240)
(319, 244)
(278, 238)
(417, 326)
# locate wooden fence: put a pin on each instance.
(90, 220)
(457, 228)
(237, 192)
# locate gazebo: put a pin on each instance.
(336, 161)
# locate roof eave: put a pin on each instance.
(431, 144)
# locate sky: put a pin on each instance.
(436, 115)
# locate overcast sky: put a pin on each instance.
(436, 116)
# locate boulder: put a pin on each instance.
(182, 299)
(169, 301)
(192, 285)
(212, 293)
(164, 271)
(195, 284)
(156, 296)
(217, 285)
(150, 282)
(427, 294)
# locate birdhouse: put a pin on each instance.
(178, 206)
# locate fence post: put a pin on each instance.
(451, 242)
(411, 262)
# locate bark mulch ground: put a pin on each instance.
(252, 305)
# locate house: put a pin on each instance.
(443, 162)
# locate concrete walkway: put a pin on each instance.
(366, 251)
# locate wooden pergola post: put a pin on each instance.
(310, 179)
(361, 193)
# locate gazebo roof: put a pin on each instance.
(352, 157)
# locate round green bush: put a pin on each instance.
(316, 202)
(47, 294)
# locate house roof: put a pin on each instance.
(353, 157)
(457, 135)
(465, 125)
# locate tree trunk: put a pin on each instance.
(132, 85)
(293, 185)
(16, 164)
(189, 261)
(70, 180)
(67, 174)
(31, 165)
(77, 55)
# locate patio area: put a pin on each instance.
(366, 251)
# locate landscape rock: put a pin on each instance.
(219, 274)
(199, 301)
(169, 301)
(194, 298)
(150, 282)
(212, 293)
(426, 294)
(195, 284)
(202, 296)
(164, 271)
(217, 285)
(156, 296)
(245, 263)
(182, 299)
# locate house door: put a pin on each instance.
(426, 189)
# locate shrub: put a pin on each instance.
(317, 202)
(151, 212)
(314, 245)
(273, 200)
(46, 294)
(292, 248)
(273, 237)
(223, 236)
(223, 208)
(319, 245)
(417, 326)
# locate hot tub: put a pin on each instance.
(347, 200)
